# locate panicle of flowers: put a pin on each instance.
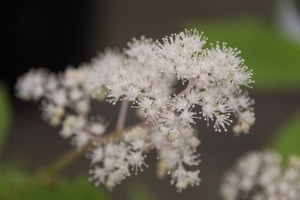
(144, 74)
(112, 162)
(175, 158)
(147, 71)
(64, 101)
(263, 175)
(214, 78)
(128, 154)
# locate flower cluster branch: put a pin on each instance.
(144, 75)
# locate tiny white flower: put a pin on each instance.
(96, 155)
(80, 139)
(173, 135)
(97, 128)
(30, 85)
(59, 97)
(68, 126)
(208, 112)
(136, 160)
(137, 144)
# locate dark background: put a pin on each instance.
(50, 34)
(55, 34)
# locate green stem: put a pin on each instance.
(47, 174)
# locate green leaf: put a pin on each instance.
(5, 114)
(275, 61)
(287, 139)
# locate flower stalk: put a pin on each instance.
(122, 115)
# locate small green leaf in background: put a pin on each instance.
(274, 60)
(5, 114)
(287, 139)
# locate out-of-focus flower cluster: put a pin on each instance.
(144, 74)
(263, 175)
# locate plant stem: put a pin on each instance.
(60, 163)
(68, 157)
(71, 155)
(122, 115)
(187, 89)
(47, 175)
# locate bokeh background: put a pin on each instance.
(56, 34)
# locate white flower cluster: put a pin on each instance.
(112, 161)
(144, 74)
(64, 101)
(262, 175)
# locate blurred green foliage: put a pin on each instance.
(5, 114)
(275, 61)
(17, 185)
(11, 178)
(287, 137)
(138, 190)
